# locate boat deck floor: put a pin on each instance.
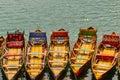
(35, 62)
(119, 63)
(59, 60)
(12, 64)
(109, 51)
(81, 59)
(101, 68)
(85, 48)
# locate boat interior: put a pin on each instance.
(104, 60)
(12, 61)
(13, 57)
(82, 51)
(36, 53)
(35, 60)
(58, 58)
(59, 52)
(119, 63)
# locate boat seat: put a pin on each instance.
(36, 66)
(60, 51)
(42, 63)
(33, 70)
(102, 65)
(81, 62)
(11, 72)
(57, 64)
(76, 65)
(11, 66)
(57, 61)
(36, 56)
(7, 55)
(86, 50)
(79, 58)
(57, 68)
(101, 71)
(36, 53)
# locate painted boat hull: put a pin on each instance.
(36, 50)
(83, 69)
(12, 61)
(58, 55)
(83, 51)
(105, 61)
(37, 76)
(67, 73)
(108, 75)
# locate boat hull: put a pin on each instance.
(108, 75)
(83, 50)
(36, 50)
(67, 73)
(58, 77)
(83, 69)
(105, 61)
(58, 55)
(40, 68)
(15, 77)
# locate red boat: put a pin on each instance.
(13, 58)
(105, 60)
(58, 52)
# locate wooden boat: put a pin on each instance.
(119, 65)
(2, 45)
(36, 53)
(105, 60)
(68, 73)
(83, 50)
(58, 52)
(13, 58)
(45, 74)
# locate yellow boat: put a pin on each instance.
(58, 52)
(105, 60)
(36, 54)
(83, 50)
(2, 45)
(119, 66)
(13, 58)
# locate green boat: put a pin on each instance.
(83, 50)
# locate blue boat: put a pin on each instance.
(36, 52)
